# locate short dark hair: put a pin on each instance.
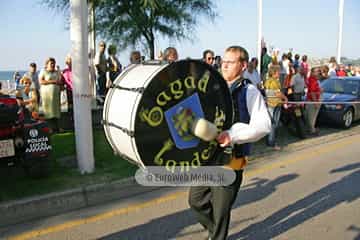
(32, 65)
(206, 52)
(254, 59)
(244, 55)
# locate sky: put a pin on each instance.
(31, 33)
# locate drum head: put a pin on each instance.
(175, 97)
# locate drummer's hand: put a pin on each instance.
(224, 139)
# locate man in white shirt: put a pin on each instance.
(298, 83)
(212, 204)
(252, 74)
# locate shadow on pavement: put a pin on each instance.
(354, 228)
(170, 226)
(306, 208)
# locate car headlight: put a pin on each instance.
(334, 106)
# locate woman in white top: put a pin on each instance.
(50, 80)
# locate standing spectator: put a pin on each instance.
(313, 95)
(275, 55)
(289, 56)
(252, 74)
(274, 99)
(135, 57)
(171, 55)
(217, 63)
(34, 76)
(160, 56)
(16, 79)
(297, 83)
(357, 71)
(341, 72)
(285, 69)
(101, 68)
(296, 62)
(68, 82)
(351, 72)
(265, 61)
(209, 57)
(333, 60)
(332, 69)
(287, 82)
(305, 65)
(50, 82)
(114, 65)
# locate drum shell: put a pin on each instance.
(122, 102)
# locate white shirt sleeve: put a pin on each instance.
(260, 123)
(97, 59)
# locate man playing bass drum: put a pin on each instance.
(212, 204)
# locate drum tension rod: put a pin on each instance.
(140, 89)
(126, 131)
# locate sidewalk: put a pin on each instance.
(18, 211)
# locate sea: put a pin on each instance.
(6, 78)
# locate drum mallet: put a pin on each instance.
(204, 129)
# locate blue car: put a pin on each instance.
(344, 92)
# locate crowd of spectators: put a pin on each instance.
(280, 79)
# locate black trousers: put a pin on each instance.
(212, 206)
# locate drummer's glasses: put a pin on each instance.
(228, 62)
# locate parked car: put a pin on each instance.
(343, 92)
(24, 141)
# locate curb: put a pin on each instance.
(18, 211)
(14, 212)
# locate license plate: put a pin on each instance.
(297, 112)
(7, 148)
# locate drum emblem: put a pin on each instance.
(180, 118)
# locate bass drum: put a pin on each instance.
(149, 111)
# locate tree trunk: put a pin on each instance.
(151, 43)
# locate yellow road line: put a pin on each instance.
(132, 208)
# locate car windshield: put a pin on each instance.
(343, 86)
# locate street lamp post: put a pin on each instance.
(341, 21)
(259, 34)
(82, 92)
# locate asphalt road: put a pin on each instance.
(313, 193)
